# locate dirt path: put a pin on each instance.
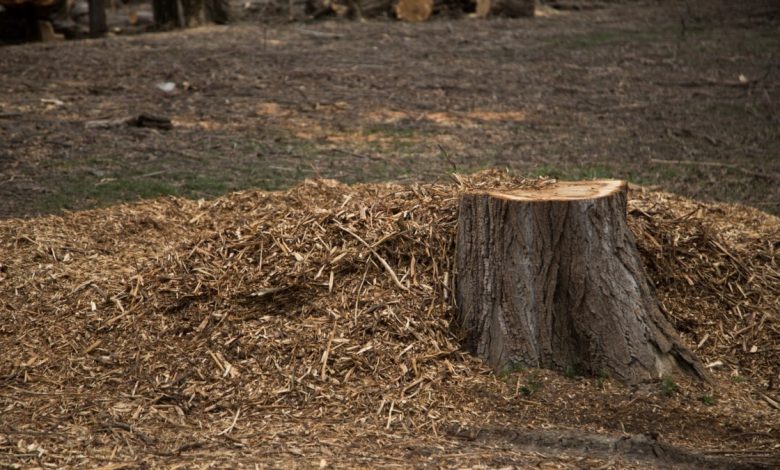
(640, 449)
(623, 91)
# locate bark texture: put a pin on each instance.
(190, 13)
(513, 8)
(167, 13)
(97, 18)
(553, 279)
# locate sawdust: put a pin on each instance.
(311, 326)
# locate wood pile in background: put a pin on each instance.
(410, 10)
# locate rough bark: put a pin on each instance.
(29, 20)
(190, 13)
(167, 13)
(218, 11)
(194, 12)
(374, 8)
(508, 8)
(552, 278)
(97, 18)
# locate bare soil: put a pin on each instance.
(684, 95)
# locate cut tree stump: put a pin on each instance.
(552, 278)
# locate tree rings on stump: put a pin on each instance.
(552, 278)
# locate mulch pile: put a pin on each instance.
(312, 326)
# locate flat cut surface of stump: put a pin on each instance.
(551, 277)
(569, 191)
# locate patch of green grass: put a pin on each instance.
(729, 109)
(707, 400)
(393, 130)
(668, 387)
(272, 177)
(758, 42)
(658, 174)
(547, 170)
(601, 379)
(573, 371)
(597, 172)
(87, 191)
(586, 172)
(512, 375)
(203, 185)
(80, 192)
(511, 368)
(533, 383)
(598, 38)
(613, 37)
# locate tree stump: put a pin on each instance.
(552, 278)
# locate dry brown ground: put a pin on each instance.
(149, 335)
(682, 97)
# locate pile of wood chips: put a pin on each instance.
(312, 325)
(716, 268)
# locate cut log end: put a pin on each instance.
(414, 10)
(551, 278)
(482, 8)
(568, 191)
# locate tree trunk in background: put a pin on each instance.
(218, 11)
(508, 8)
(552, 278)
(167, 13)
(190, 13)
(514, 8)
(374, 8)
(413, 10)
(194, 12)
(97, 18)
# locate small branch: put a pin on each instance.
(126, 427)
(379, 258)
(319, 34)
(228, 429)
